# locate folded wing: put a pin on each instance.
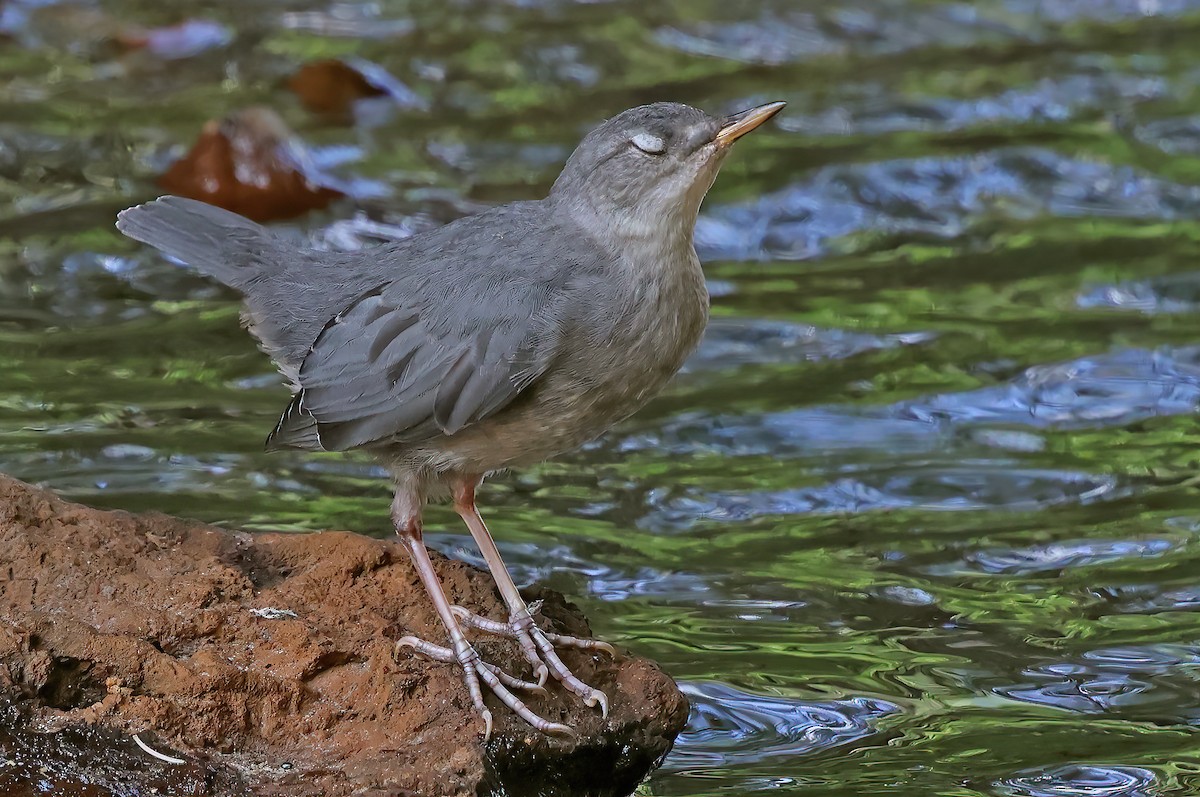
(397, 367)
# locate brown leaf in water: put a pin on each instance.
(96, 33)
(250, 163)
(333, 86)
(187, 39)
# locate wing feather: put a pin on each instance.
(463, 320)
(381, 371)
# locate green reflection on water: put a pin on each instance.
(140, 391)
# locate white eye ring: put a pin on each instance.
(651, 145)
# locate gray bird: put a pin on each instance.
(494, 342)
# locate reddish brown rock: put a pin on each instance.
(250, 163)
(266, 663)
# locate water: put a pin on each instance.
(919, 518)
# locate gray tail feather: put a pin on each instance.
(213, 241)
(245, 256)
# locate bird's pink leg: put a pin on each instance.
(408, 527)
(536, 644)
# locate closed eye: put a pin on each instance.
(649, 144)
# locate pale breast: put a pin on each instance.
(597, 381)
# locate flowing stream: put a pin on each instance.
(919, 518)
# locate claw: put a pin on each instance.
(477, 673)
(499, 682)
(561, 730)
(517, 683)
(438, 653)
(582, 644)
(598, 698)
(538, 646)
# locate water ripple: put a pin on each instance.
(933, 196)
(1063, 11)
(807, 431)
(537, 563)
(1151, 682)
(781, 34)
(1080, 780)
(1053, 557)
(1151, 598)
(729, 726)
(1178, 136)
(1176, 293)
(875, 109)
(972, 486)
(731, 342)
(1110, 389)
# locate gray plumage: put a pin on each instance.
(499, 339)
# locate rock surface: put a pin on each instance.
(266, 663)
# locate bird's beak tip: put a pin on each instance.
(739, 124)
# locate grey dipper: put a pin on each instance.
(494, 342)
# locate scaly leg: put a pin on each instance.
(535, 643)
(408, 527)
(491, 626)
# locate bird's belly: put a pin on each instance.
(537, 430)
(589, 390)
(572, 407)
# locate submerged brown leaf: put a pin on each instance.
(97, 33)
(188, 38)
(333, 86)
(251, 163)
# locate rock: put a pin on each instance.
(266, 663)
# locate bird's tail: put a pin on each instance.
(289, 292)
(245, 256)
(215, 242)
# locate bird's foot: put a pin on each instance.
(501, 683)
(538, 647)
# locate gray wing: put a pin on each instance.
(401, 364)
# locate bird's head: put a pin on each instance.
(649, 168)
